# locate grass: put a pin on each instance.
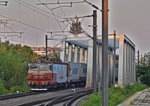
(116, 95)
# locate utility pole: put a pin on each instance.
(94, 50)
(138, 57)
(105, 72)
(114, 59)
(46, 49)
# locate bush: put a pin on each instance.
(24, 88)
(143, 73)
(15, 89)
(116, 95)
(13, 62)
(2, 89)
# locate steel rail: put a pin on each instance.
(75, 98)
(11, 96)
(71, 97)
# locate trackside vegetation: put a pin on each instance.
(14, 59)
(143, 74)
(116, 95)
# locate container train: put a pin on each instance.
(44, 76)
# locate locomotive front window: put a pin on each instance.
(39, 67)
(33, 67)
(44, 67)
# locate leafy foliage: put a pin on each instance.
(13, 62)
(143, 74)
(2, 89)
(116, 95)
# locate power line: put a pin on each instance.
(35, 8)
(24, 23)
(28, 31)
(32, 8)
(9, 30)
(61, 3)
(63, 12)
(55, 18)
(21, 28)
(53, 15)
(13, 31)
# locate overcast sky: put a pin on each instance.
(129, 17)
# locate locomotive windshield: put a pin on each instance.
(41, 67)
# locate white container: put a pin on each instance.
(61, 72)
(77, 71)
(74, 71)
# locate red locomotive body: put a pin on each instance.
(40, 76)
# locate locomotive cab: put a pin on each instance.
(40, 76)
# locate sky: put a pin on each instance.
(129, 17)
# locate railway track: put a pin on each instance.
(72, 101)
(22, 94)
(17, 95)
(65, 100)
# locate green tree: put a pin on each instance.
(143, 74)
(13, 62)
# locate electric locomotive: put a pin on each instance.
(44, 76)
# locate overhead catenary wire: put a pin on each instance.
(53, 15)
(34, 10)
(63, 28)
(24, 23)
(26, 30)
(48, 17)
(32, 7)
(76, 2)
(45, 4)
(19, 27)
(22, 42)
(33, 32)
(57, 44)
(61, 7)
(13, 31)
